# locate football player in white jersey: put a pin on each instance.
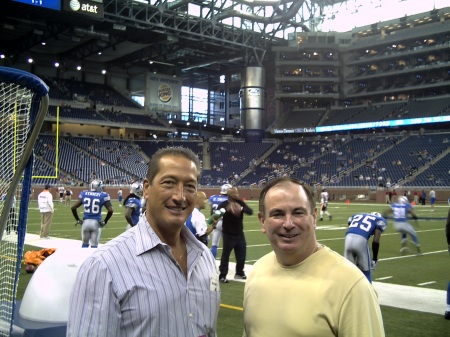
(61, 191)
(400, 211)
(324, 205)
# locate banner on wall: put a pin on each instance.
(91, 8)
(163, 93)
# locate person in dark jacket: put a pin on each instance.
(233, 234)
(447, 229)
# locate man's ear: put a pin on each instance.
(262, 221)
(145, 185)
(314, 214)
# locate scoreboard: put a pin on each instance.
(91, 8)
(51, 4)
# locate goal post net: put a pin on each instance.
(23, 105)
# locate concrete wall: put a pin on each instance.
(336, 194)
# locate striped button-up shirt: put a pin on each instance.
(132, 286)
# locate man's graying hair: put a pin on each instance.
(280, 180)
(177, 151)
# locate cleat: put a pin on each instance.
(240, 277)
(331, 217)
(447, 315)
(449, 248)
(419, 251)
(224, 280)
(321, 219)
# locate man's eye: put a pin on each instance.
(191, 188)
(277, 215)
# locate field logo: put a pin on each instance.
(165, 93)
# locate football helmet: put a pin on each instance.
(137, 188)
(376, 214)
(403, 200)
(224, 189)
(97, 185)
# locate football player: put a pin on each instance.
(61, 191)
(197, 222)
(324, 205)
(215, 200)
(400, 211)
(361, 227)
(133, 204)
(93, 202)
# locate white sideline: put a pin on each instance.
(392, 295)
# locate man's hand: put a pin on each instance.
(79, 222)
(102, 224)
(373, 265)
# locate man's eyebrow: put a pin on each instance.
(275, 210)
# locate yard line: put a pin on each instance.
(231, 307)
(412, 255)
(383, 278)
(426, 283)
(261, 245)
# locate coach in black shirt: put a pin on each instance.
(233, 234)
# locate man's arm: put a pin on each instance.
(361, 302)
(85, 316)
(211, 227)
(245, 208)
(110, 209)
(74, 210)
(387, 212)
(128, 212)
(223, 204)
(376, 244)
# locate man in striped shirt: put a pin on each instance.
(156, 279)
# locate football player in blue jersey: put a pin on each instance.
(215, 200)
(400, 211)
(361, 227)
(93, 202)
(133, 204)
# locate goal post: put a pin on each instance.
(24, 103)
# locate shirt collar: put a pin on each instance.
(147, 239)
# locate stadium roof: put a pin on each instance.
(184, 38)
(194, 39)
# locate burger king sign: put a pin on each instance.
(165, 93)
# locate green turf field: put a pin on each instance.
(432, 270)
